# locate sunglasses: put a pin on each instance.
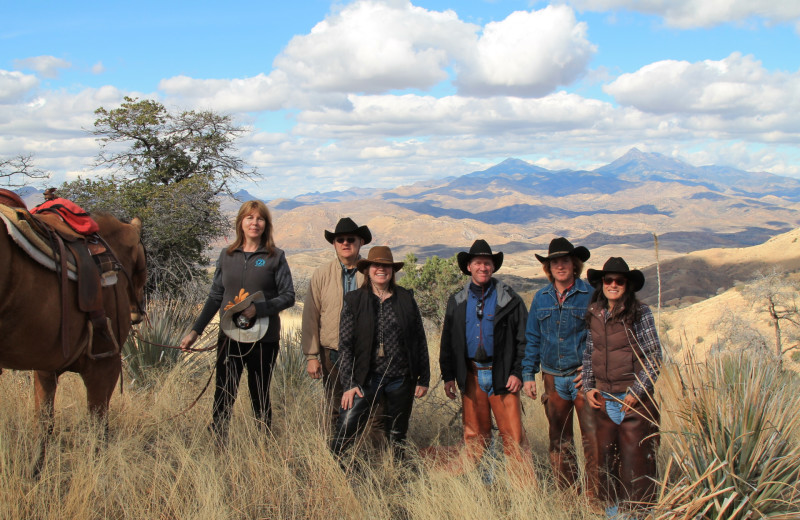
(619, 280)
(342, 240)
(479, 309)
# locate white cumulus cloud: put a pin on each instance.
(46, 66)
(527, 54)
(374, 46)
(701, 13)
(14, 85)
(737, 86)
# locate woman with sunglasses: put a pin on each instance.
(382, 352)
(620, 366)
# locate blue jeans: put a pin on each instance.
(566, 387)
(614, 406)
(399, 393)
(485, 378)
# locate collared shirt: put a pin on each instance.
(348, 279)
(644, 330)
(562, 296)
(480, 332)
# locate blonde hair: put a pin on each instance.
(577, 268)
(266, 241)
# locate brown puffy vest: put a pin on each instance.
(616, 354)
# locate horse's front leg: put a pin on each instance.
(44, 387)
(100, 378)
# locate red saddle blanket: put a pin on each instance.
(75, 216)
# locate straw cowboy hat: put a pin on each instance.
(616, 265)
(379, 255)
(239, 328)
(346, 226)
(562, 247)
(479, 248)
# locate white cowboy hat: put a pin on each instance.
(239, 328)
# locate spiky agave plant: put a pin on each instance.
(734, 453)
(169, 319)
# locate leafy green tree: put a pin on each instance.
(170, 168)
(162, 148)
(433, 284)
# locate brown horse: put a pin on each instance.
(31, 317)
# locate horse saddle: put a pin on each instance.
(55, 245)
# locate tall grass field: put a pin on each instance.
(729, 450)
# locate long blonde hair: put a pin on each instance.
(266, 241)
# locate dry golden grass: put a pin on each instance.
(159, 465)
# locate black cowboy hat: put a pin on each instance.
(617, 265)
(379, 255)
(562, 247)
(479, 248)
(346, 226)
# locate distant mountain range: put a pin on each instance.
(521, 206)
(518, 208)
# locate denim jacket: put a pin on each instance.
(556, 335)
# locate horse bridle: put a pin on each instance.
(139, 304)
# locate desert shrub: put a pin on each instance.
(168, 320)
(733, 450)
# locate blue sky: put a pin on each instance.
(386, 92)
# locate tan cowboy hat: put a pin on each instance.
(379, 255)
(239, 328)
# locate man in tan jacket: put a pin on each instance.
(323, 305)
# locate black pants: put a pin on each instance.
(399, 394)
(232, 358)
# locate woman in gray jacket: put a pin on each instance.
(252, 284)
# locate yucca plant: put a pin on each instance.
(290, 367)
(735, 453)
(169, 319)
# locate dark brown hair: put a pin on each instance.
(626, 311)
(367, 285)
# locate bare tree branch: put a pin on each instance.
(19, 171)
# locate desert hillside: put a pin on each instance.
(700, 326)
(699, 275)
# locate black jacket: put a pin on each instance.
(259, 272)
(510, 320)
(355, 350)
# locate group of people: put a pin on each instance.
(594, 342)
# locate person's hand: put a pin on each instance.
(349, 397)
(529, 387)
(420, 391)
(628, 403)
(595, 398)
(450, 389)
(250, 311)
(314, 368)
(514, 384)
(579, 379)
(188, 340)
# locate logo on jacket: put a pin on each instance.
(260, 262)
